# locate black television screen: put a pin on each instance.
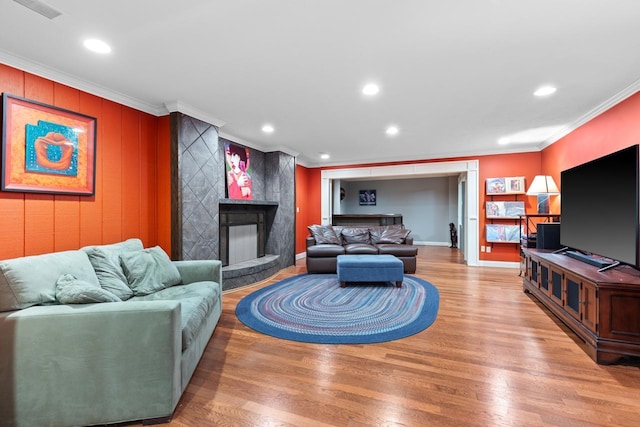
(599, 207)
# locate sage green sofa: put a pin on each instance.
(89, 362)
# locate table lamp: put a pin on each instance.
(543, 186)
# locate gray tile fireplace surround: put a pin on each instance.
(199, 188)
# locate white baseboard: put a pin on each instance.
(423, 243)
(301, 255)
(499, 264)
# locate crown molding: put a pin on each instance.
(76, 83)
(179, 106)
(592, 114)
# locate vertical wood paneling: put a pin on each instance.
(91, 207)
(11, 204)
(163, 184)
(131, 173)
(38, 208)
(147, 178)
(66, 221)
(110, 151)
(125, 203)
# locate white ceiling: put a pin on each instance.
(455, 75)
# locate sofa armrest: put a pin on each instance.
(57, 361)
(408, 240)
(200, 271)
(310, 241)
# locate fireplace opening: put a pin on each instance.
(242, 236)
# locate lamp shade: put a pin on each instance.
(542, 184)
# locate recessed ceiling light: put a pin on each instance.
(370, 89)
(267, 129)
(544, 91)
(97, 46)
(324, 156)
(392, 130)
(504, 141)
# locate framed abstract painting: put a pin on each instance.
(46, 149)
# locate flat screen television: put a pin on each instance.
(599, 207)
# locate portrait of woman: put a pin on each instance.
(238, 176)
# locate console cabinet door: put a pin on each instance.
(572, 286)
(556, 286)
(545, 271)
(589, 306)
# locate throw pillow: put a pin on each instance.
(324, 234)
(149, 270)
(389, 234)
(355, 235)
(71, 290)
(105, 260)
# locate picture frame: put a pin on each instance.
(500, 233)
(504, 210)
(46, 149)
(505, 185)
(367, 197)
(238, 172)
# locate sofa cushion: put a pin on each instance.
(324, 251)
(395, 234)
(398, 250)
(31, 280)
(149, 270)
(106, 262)
(71, 290)
(360, 249)
(197, 300)
(324, 234)
(355, 235)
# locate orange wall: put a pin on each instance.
(128, 179)
(522, 164)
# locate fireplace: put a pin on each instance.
(244, 229)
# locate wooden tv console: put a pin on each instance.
(602, 308)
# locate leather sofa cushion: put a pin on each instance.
(324, 251)
(355, 235)
(360, 249)
(324, 234)
(389, 234)
(397, 250)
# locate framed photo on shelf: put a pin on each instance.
(511, 210)
(500, 233)
(506, 185)
(46, 149)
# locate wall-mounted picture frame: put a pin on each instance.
(500, 233)
(238, 167)
(498, 209)
(367, 197)
(46, 149)
(506, 185)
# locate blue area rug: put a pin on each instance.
(314, 308)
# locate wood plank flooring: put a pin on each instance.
(493, 357)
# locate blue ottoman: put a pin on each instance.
(370, 268)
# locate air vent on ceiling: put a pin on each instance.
(40, 8)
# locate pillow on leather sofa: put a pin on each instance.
(388, 234)
(324, 234)
(355, 235)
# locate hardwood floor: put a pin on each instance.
(493, 357)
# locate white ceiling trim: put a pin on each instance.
(64, 78)
(177, 106)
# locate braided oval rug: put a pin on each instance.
(314, 308)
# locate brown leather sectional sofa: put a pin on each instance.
(326, 242)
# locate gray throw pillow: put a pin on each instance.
(71, 290)
(149, 270)
(355, 235)
(389, 234)
(105, 260)
(324, 234)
